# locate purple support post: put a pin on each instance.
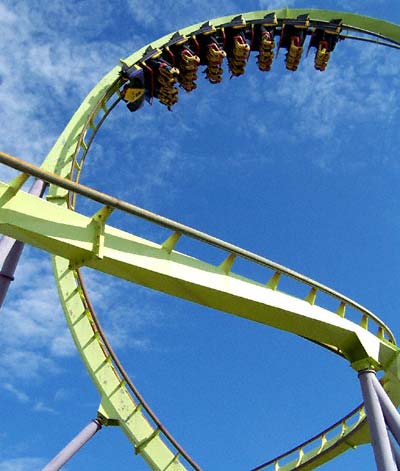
(379, 434)
(11, 249)
(395, 452)
(389, 410)
(73, 446)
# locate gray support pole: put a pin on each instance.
(390, 412)
(73, 446)
(395, 452)
(11, 249)
(379, 434)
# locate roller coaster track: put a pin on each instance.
(75, 240)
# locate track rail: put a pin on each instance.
(66, 159)
(367, 317)
(352, 423)
(124, 377)
(82, 312)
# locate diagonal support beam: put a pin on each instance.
(11, 249)
(392, 417)
(379, 435)
(73, 446)
(395, 452)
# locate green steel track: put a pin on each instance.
(75, 240)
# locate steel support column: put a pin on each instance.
(395, 452)
(11, 249)
(392, 417)
(73, 446)
(376, 421)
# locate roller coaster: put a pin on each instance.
(158, 71)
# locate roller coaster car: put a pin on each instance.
(238, 51)
(188, 65)
(292, 28)
(294, 53)
(201, 40)
(241, 49)
(262, 40)
(266, 53)
(258, 29)
(293, 35)
(133, 92)
(168, 98)
(162, 78)
(322, 56)
(180, 55)
(215, 56)
(209, 48)
(325, 40)
(189, 61)
(214, 74)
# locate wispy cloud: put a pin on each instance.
(65, 59)
(33, 313)
(23, 398)
(17, 393)
(321, 101)
(40, 340)
(126, 311)
(359, 90)
(275, 4)
(26, 365)
(40, 406)
(62, 67)
(21, 464)
(54, 67)
(61, 394)
(181, 13)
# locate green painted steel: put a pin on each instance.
(68, 233)
(71, 235)
(77, 240)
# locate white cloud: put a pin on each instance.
(61, 394)
(359, 89)
(37, 405)
(125, 311)
(275, 4)
(44, 74)
(180, 13)
(7, 17)
(62, 345)
(45, 71)
(27, 365)
(21, 464)
(45, 54)
(18, 394)
(40, 406)
(356, 5)
(32, 310)
(33, 333)
(31, 322)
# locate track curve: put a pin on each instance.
(121, 404)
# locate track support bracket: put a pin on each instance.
(99, 221)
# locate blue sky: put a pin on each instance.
(301, 168)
